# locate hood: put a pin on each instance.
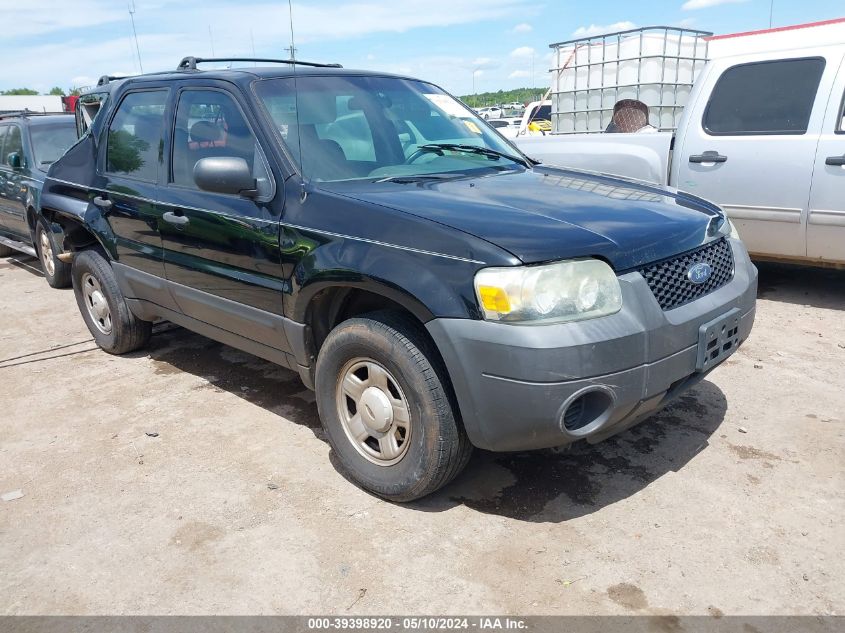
(545, 214)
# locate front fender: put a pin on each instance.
(426, 285)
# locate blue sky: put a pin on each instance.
(53, 42)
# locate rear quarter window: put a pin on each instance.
(771, 97)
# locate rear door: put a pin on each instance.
(826, 222)
(131, 165)
(750, 147)
(222, 251)
(12, 184)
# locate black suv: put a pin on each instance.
(437, 288)
(29, 144)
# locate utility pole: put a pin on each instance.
(771, 10)
(291, 50)
(135, 33)
(211, 39)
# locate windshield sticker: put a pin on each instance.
(472, 126)
(447, 104)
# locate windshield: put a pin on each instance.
(346, 128)
(49, 142)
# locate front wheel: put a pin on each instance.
(56, 272)
(385, 404)
(109, 319)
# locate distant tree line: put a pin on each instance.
(522, 95)
(55, 92)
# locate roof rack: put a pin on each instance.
(190, 63)
(28, 113)
(102, 81)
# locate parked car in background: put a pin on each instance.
(507, 126)
(492, 112)
(437, 288)
(29, 144)
(762, 134)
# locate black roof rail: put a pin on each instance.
(190, 63)
(102, 81)
(28, 113)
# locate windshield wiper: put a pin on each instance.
(473, 149)
(413, 177)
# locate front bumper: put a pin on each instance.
(516, 386)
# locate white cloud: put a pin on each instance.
(595, 29)
(687, 23)
(484, 62)
(522, 52)
(692, 5)
(524, 27)
(519, 74)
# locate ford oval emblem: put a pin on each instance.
(699, 273)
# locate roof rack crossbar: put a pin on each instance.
(27, 113)
(190, 63)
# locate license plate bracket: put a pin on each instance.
(717, 339)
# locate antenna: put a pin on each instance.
(292, 47)
(135, 33)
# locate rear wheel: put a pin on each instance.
(109, 319)
(56, 272)
(385, 404)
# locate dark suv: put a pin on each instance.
(437, 288)
(29, 144)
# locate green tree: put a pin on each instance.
(56, 92)
(14, 92)
(74, 92)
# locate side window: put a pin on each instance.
(209, 123)
(13, 143)
(3, 129)
(764, 98)
(135, 143)
(840, 129)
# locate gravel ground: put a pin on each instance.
(192, 478)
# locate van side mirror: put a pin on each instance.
(225, 174)
(14, 160)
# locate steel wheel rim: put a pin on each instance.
(95, 301)
(373, 411)
(46, 253)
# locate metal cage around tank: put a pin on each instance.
(656, 65)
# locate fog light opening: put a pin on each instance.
(586, 411)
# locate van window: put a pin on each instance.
(135, 143)
(772, 97)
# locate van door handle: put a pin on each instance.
(835, 160)
(173, 218)
(102, 202)
(708, 157)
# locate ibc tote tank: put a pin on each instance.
(656, 65)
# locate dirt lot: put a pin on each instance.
(730, 501)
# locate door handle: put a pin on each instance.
(835, 160)
(708, 157)
(175, 218)
(103, 203)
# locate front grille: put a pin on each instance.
(669, 282)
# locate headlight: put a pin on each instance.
(564, 291)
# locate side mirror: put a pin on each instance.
(225, 174)
(14, 160)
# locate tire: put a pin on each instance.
(97, 294)
(431, 449)
(5, 251)
(57, 273)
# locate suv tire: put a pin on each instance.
(387, 408)
(57, 273)
(112, 324)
